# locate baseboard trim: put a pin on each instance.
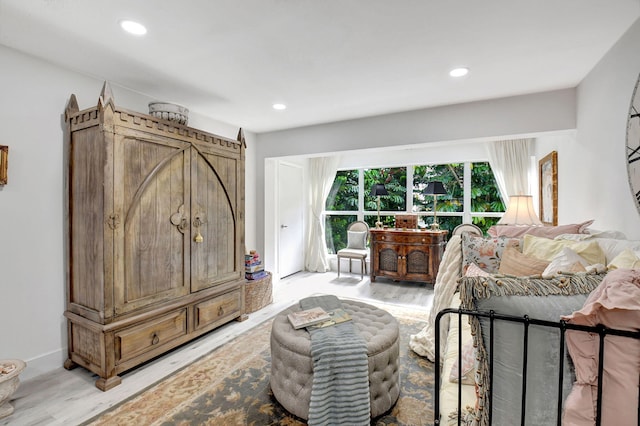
(44, 364)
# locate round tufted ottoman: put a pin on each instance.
(292, 366)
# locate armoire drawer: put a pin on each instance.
(218, 308)
(156, 332)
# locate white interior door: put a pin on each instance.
(290, 208)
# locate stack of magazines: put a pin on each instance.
(253, 268)
(317, 318)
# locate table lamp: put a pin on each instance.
(520, 212)
(377, 190)
(435, 188)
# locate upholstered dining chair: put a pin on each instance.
(357, 237)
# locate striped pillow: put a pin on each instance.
(520, 265)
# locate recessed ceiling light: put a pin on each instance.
(279, 107)
(459, 72)
(133, 27)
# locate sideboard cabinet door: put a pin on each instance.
(406, 254)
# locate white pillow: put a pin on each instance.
(626, 259)
(614, 235)
(612, 247)
(357, 240)
(546, 249)
(567, 260)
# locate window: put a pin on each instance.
(344, 192)
(452, 177)
(395, 181)
(343, 199)
(472, 197)
(485, 196)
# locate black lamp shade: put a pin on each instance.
(435, 188)
(378, 189)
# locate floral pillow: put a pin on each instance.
(468, 366)
(485, 252)
(474, 271)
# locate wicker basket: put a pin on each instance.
(257, 293)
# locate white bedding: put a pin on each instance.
(445, 286)
(449, 390)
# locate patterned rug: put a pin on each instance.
(230, 386)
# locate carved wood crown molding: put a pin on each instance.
(80, 119)
(146, 122)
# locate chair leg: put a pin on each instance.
(338, 266)
(350, 271)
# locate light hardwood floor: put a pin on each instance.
(70, 397)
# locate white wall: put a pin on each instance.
(451, 133)
(592, 176)
(32, 263)
(587, 126)
(426, 153)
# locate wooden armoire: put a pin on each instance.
(155, 236)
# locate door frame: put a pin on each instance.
(297, 170)
(272, 212)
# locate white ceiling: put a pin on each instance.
(328, 60)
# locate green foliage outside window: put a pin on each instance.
(344, 197)
(344, 192)
(395, 180)
(485, 195)
(336, 231)
(451, 176)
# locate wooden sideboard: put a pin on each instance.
(406, 254)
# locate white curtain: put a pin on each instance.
(322, 172)
(510, 163)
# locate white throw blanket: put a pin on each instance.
(444, 288)
(340, 387)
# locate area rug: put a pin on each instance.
(230, 386)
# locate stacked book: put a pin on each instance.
(253, 268)
(317, 318)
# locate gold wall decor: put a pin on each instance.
(548, 175)
(4, 161)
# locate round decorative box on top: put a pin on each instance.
(169, 111)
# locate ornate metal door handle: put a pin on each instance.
(180, 220)
(197, 223)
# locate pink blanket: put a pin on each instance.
(615, 304)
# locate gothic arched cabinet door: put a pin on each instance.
(180, 230)
(152, 192)
(214, 200)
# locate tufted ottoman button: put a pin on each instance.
(292, 366)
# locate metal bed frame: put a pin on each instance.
(563, 326)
